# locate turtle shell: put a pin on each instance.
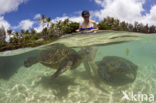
(116, 70)
(57, 54)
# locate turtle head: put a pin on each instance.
(30, 61)
(88, 53)
(83, 53)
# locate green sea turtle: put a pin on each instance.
(59, 57)
(116, 70)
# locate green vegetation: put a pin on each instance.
(52, 31)
(110, 23)
(30, 38)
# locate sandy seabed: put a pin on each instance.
(33, 84)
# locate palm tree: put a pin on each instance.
(27, 32)
(22, 31)
(2, 34)
(130, 27)
(14, 40)
(52, 29)
(152, 29)
(33, 31)
(116, 24)
(44, 32)
(145, 28)
(135, 29)
(43, 20)
(23, 40)
(48, 21)
(124, 26)
(16, 34)
(9, 32)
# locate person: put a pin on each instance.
(88, 25)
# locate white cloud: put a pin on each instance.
(37, 16)
(39, 28)
(6, 26)
(74, 18)
(128, 10)
(125, 10)
(4, 23)
(25, 24)
(101, 2)
(150, 18)
(9, 5)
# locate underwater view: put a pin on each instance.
(107, 67)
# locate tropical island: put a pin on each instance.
(53, 31)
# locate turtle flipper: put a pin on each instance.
(62, 68)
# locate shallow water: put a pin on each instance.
(19, 84)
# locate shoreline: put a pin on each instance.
(29, 45)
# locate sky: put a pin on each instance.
(24, 14)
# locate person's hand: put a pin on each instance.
(77, 30)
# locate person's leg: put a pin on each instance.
(89, 61)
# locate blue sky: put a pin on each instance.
(148, 4)
(13, 12)
(51, 8)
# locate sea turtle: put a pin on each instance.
(116, 70)
(59, 57)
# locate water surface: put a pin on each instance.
(19, 84)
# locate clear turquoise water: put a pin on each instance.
(19, 84)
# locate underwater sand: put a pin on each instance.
(33, 85)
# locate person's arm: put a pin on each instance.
(78, 30)
(95, 26)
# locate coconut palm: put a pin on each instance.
(33, 31)
(152, 29)
(130, 27)
(22, 31)
(9, 32)
(27, 32)
(48, 21)
(43, 20)
(45, 32)
(16, 33)
(2, 34)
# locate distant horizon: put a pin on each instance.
(23, 14)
